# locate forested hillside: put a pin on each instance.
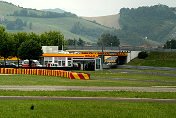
(153, 25)
(57, 10)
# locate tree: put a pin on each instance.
(18, 38)
(30, 49)
(108, 40)
(171, 44)
(6, 44)
(19, 24)
(30, 26)
(81, 42)
(52, 38)
(142, 55)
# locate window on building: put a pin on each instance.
(63, 63)
(69, 63)
(59, 62)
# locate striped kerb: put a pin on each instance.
(75, 75)
(61, 73)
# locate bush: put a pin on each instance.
(142, 55)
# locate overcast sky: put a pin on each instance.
(90, 7)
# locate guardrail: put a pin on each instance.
(59, 73)
(115, 48)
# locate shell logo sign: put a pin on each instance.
(59, 73)
(104, 53)
(70, 55)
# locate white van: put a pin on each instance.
(35, 63)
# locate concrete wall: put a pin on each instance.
(132, 55)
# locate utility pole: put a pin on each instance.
(102, 59)
(62, 45)
(111, 55)
(58, 40)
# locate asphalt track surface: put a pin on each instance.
(137, 72)
(89, 88)
(135, 80)
(87, 99)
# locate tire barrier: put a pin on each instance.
(59, 73)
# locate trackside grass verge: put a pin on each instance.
(156, 71)
(82, 109)
(23, 80)
(137, 76)
(119, 94)
(34, 80)
(156, 59)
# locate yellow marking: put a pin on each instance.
(76, 75)
(86, 76)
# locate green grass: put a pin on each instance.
(23, 80)
(88, 109)
(136, 76)
(156, 71)
(119, 94)
(157, 59)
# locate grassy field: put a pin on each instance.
(35, 80)
(157, 59)
(85, 109)
(69, 93)
(155, 71)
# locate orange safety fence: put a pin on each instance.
(59, 73)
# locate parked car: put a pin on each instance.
(35, 63)
(20, 65)
(10, 65)
(52, 65)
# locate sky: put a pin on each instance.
(90, 8)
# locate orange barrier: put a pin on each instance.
(59, 73)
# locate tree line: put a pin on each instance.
(170, 44)
(41, 14)
(80, 29)
(27, 45)
(75, 42)
(17, 24)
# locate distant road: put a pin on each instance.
(89, 88)
(150, 73)
(87, 99)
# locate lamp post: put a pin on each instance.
(171, 45)
(102, 59)
(111, 55)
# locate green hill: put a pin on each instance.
(111, 21)
(16, 18)
(157, 59)
(153, 25)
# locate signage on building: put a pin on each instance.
(104, 53)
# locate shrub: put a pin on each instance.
(142, 55)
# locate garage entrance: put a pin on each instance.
(88, 64)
